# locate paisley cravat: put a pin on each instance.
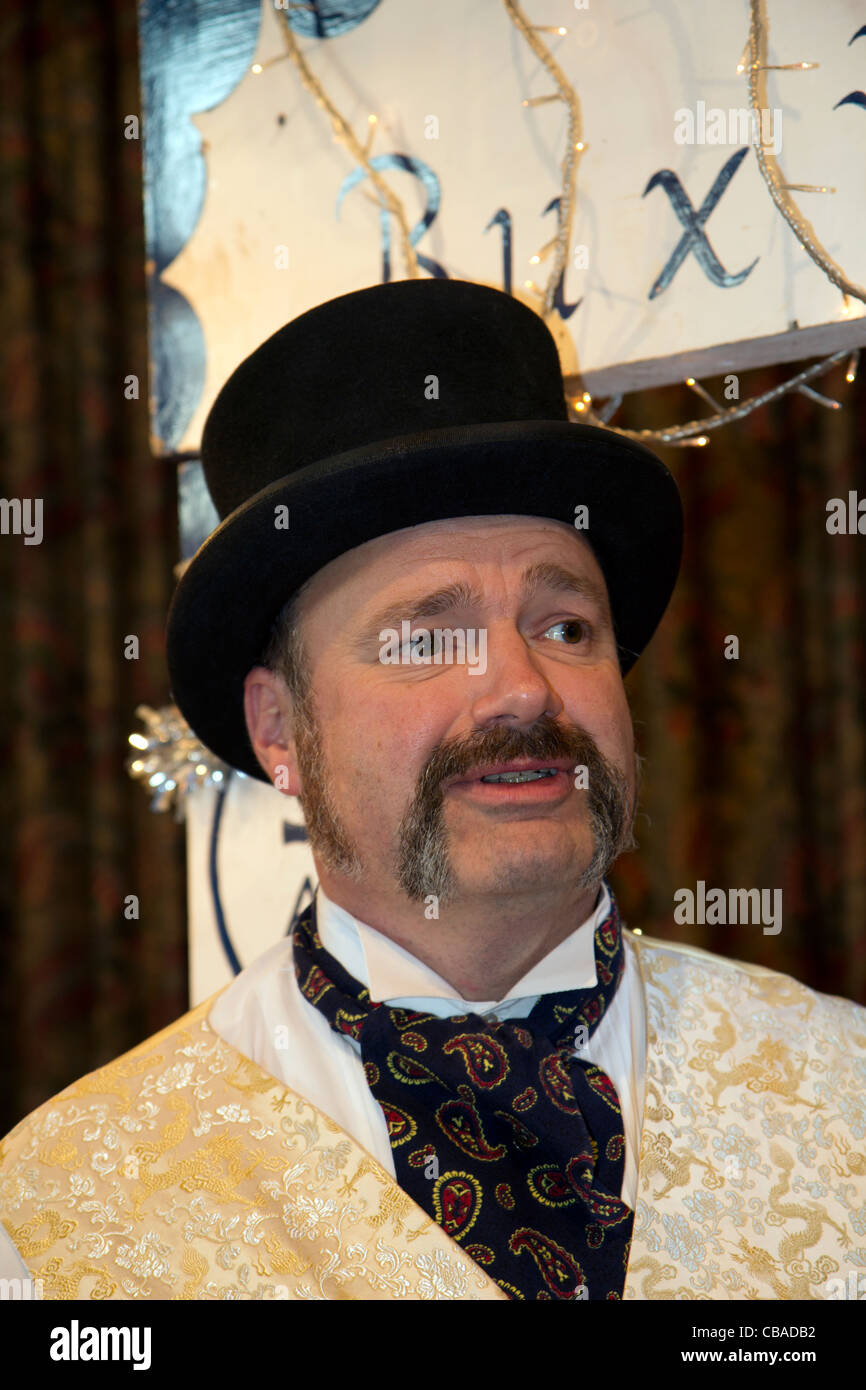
(513, 1144)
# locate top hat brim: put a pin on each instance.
(221, 616)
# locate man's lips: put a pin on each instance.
(541, 789)
(518, 765)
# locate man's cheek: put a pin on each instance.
(369, 789)
(613, 737)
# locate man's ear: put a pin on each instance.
(269, 713)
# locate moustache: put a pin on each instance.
(545, 740)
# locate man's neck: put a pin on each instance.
(482, 947)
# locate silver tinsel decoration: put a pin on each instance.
(171, 760)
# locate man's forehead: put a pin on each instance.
(401, 556)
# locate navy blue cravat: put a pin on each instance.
(511, 1143)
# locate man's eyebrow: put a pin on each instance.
(423, 606)
(545, 575)
(542, 575)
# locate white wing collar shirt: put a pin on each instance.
(264, 1015)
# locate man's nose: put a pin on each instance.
(514, 687)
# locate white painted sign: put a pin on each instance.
(288, 219)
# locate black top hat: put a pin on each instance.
(336, 417)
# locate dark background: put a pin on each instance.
(755, 769)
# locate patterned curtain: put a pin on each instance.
(755, 767)
(79, 981)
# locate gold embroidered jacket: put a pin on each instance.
(182, 1170)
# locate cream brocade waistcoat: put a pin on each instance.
(182, 1170)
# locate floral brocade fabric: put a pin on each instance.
(512, 1143)
(184, 1170)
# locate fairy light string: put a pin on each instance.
(692, 431)
(756, 67)
(346, 135)
(574, 149)
(753, 63)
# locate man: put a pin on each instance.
(459, 1077)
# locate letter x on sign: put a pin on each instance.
(694, 238)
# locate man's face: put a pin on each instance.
(387, 756)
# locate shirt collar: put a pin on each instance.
(395, 977)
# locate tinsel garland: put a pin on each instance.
(171, 760)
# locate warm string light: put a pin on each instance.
(806, 188)
(258, 68)
(345, 134)
(776, 67)
(691, 432)
(574, 147)
(853, 363)
(756, 50)
(545, 251)
(699, 390)
(771, 67)
(821, 400)
(696, 441)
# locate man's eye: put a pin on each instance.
(430, 637)
(576, 628)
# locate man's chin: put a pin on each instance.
(545, 834)
(545, 871)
